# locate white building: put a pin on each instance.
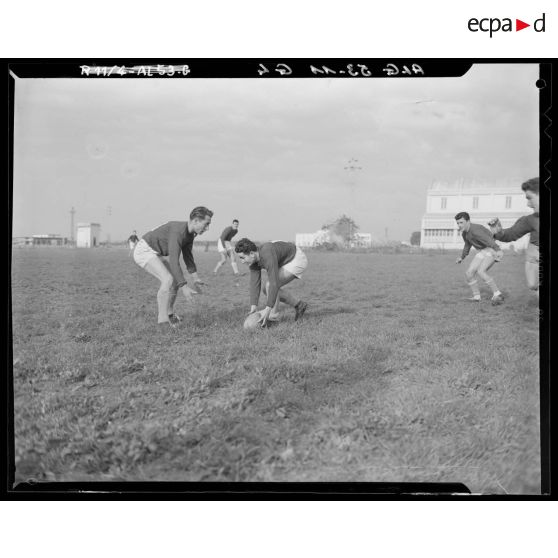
(88, 235)
(305, 240)
(482, 200)
(361, 240)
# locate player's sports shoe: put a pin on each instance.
(274, 317)
(497, 299)
(473, 299)
(174, 319)
(167, 326)
(300, 309)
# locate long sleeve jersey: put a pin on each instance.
(524, 225)
(273, 255)
(173, 239)
(227, 234)
(479, 237)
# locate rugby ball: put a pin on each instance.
(251, 322)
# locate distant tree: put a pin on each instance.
(415, 238)
(344, 226)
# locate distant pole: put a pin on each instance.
(72, 212)
(352, 166)
(109, 213)
(386, 232)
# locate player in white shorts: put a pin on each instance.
(225, 247)
(133, 240)
(488, 253)
(158, 252)
(283, 261)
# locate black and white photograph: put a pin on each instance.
(278, 279)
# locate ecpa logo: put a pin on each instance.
(494, 24)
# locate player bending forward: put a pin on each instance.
(225, 247)
(488, 252)
(283, 262)
(158, 252)
(528, 224)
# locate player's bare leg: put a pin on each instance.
(532, 271)
(167, 290)
(484, 266)
(234, 265)
(471, 275)
(284, 296)
(222, 261)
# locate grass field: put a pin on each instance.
(391, 376)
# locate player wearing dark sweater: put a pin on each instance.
(283, 262)
(158, 252)
(133, 240)
(528, 224)
(225, 248)
(488, 253)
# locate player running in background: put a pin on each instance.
(158, 252)
(283, 262)
(488, 252)
(528, 224)
(225, 247)
(133, 239)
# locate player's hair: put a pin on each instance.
(463, 215)
(531, 185)
(245, 246)
(201, 213)
(235, 221)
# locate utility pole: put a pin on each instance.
(352, 167)
(72, 212)
(109, 213)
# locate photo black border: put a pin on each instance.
(246, 68)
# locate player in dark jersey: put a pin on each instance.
(283, 261)
(488, 253)
(133, 239)
(158, 252)
(528, 224)
(225, 247)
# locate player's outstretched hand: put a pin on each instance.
(498, 255)
(198, 286)
(459, 260)
(189, 293)
(264, 316)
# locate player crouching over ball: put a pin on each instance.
(283, 261)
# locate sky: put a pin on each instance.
(132, 154)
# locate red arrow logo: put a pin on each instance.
(519, 25)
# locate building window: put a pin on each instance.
(475, 202)
(508, 202)
(444, 202)
(438, 233)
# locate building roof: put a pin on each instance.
(512, 186)
(476, 214)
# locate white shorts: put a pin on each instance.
(485, 253)
(297, 265)
(224, 249)
(143, 253)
